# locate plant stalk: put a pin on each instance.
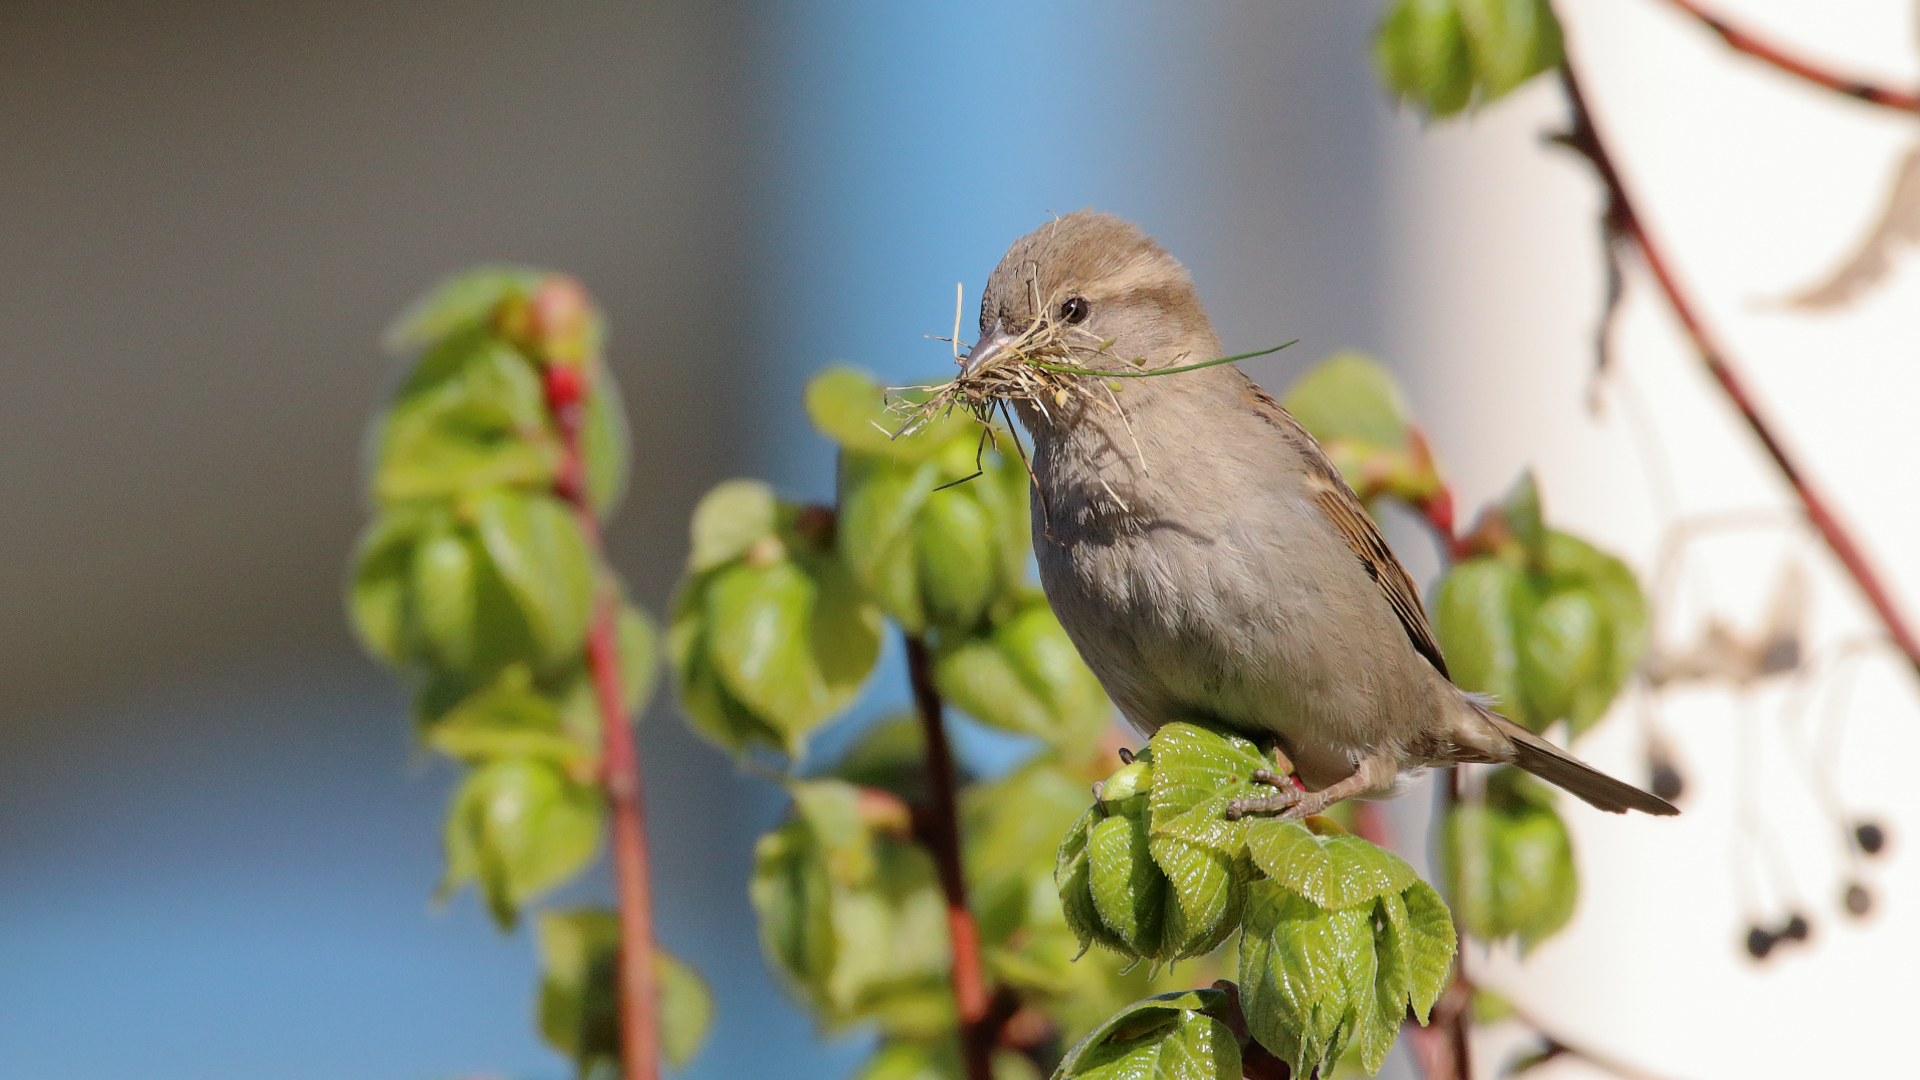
(639, 996)
(941, 834)
(1741, 41)
(1585, 139)
(619, 776)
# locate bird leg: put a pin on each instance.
(1374, 773)
(1287, 796)
(1281, 777)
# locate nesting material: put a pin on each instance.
(1042, 366)
(1049, 362)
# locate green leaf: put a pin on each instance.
(1129, 888)
(1318, 983)
(520, 827)
(1520, 509)
(1335, 871)
(1012, 831)
(446, 595)
(1196, 773)
(604, 442)
(1473, 616)
(1025, 675)
(710, 707)
(508, 719)
(471, 415)
(1167, 1037)
(849, 407)
(1159, 897)
(1420, 52)
(579, 995)
(1207, 893)
(1349, 396)
(731, 518)
(686, 1008)
(1509, 862)
(378, 598)
(1510, 42)
(769, 646)
(639, 642)
(1573, 563)
(960, 572)
(1562, 651)
(879, 500)
(891, 756)
(933, 527)
(762, 638)
(1073, 877)
(793, 898)
(852, 916)
(1430, 946)
(535, 542)
(1307, 976)
(915, 1060)
(460, 302)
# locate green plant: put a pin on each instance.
(986, 926)
(481, 580)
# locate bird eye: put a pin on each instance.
(1075, 310)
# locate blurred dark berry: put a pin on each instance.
(1870, 836)
(1796, 929)
(1667, 782)
(1760, 942)
(1859, 900)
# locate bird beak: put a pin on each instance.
(985, 352)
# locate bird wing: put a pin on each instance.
(1335, 498)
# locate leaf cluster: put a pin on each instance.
(478, 581)
(1338, 938)
(1548, 625)
(1508, 861)
(1443, 56)
(776, 629)
(1334, 940)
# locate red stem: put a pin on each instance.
(941, 834)
(1586, 139)
(1741, 41)
(620, 762)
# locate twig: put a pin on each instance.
(620, 767)
(1741, 41)
(978, 1031)
(1585, 139)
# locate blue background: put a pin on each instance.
(216, 840)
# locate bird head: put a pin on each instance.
(1099, 294)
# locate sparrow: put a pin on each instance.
(1204, 555)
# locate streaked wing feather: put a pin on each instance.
(1336, 499)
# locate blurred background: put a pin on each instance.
(216, 843)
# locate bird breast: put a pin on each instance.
(1204, 584)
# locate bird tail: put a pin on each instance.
(1557, 767)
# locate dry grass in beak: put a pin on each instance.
(1045, 364)
(1038, 366)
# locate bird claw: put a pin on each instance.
(1264, 804)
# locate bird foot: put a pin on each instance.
(1286, 797)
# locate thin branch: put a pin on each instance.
(620, 765)
(979, 1024)
(1741, 41)
(1585, 139)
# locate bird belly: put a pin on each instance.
(1192, 623)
